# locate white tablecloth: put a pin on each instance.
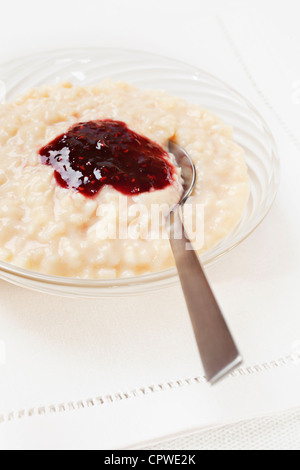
(110, 374)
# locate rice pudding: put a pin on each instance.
(55, 211)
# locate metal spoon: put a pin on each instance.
(217, 349)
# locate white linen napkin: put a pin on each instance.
(117, 373)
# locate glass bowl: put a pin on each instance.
(88, 66)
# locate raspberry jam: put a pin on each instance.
(95, 153)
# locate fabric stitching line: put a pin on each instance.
(291, 359)
(253, 82)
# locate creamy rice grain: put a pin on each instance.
(47, 228)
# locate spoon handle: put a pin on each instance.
(217, 349)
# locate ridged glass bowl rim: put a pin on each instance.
(142, 283)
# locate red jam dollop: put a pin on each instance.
(95, 153)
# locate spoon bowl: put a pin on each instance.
(188, 170)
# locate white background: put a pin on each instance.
(167, 27)
(59, 351)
